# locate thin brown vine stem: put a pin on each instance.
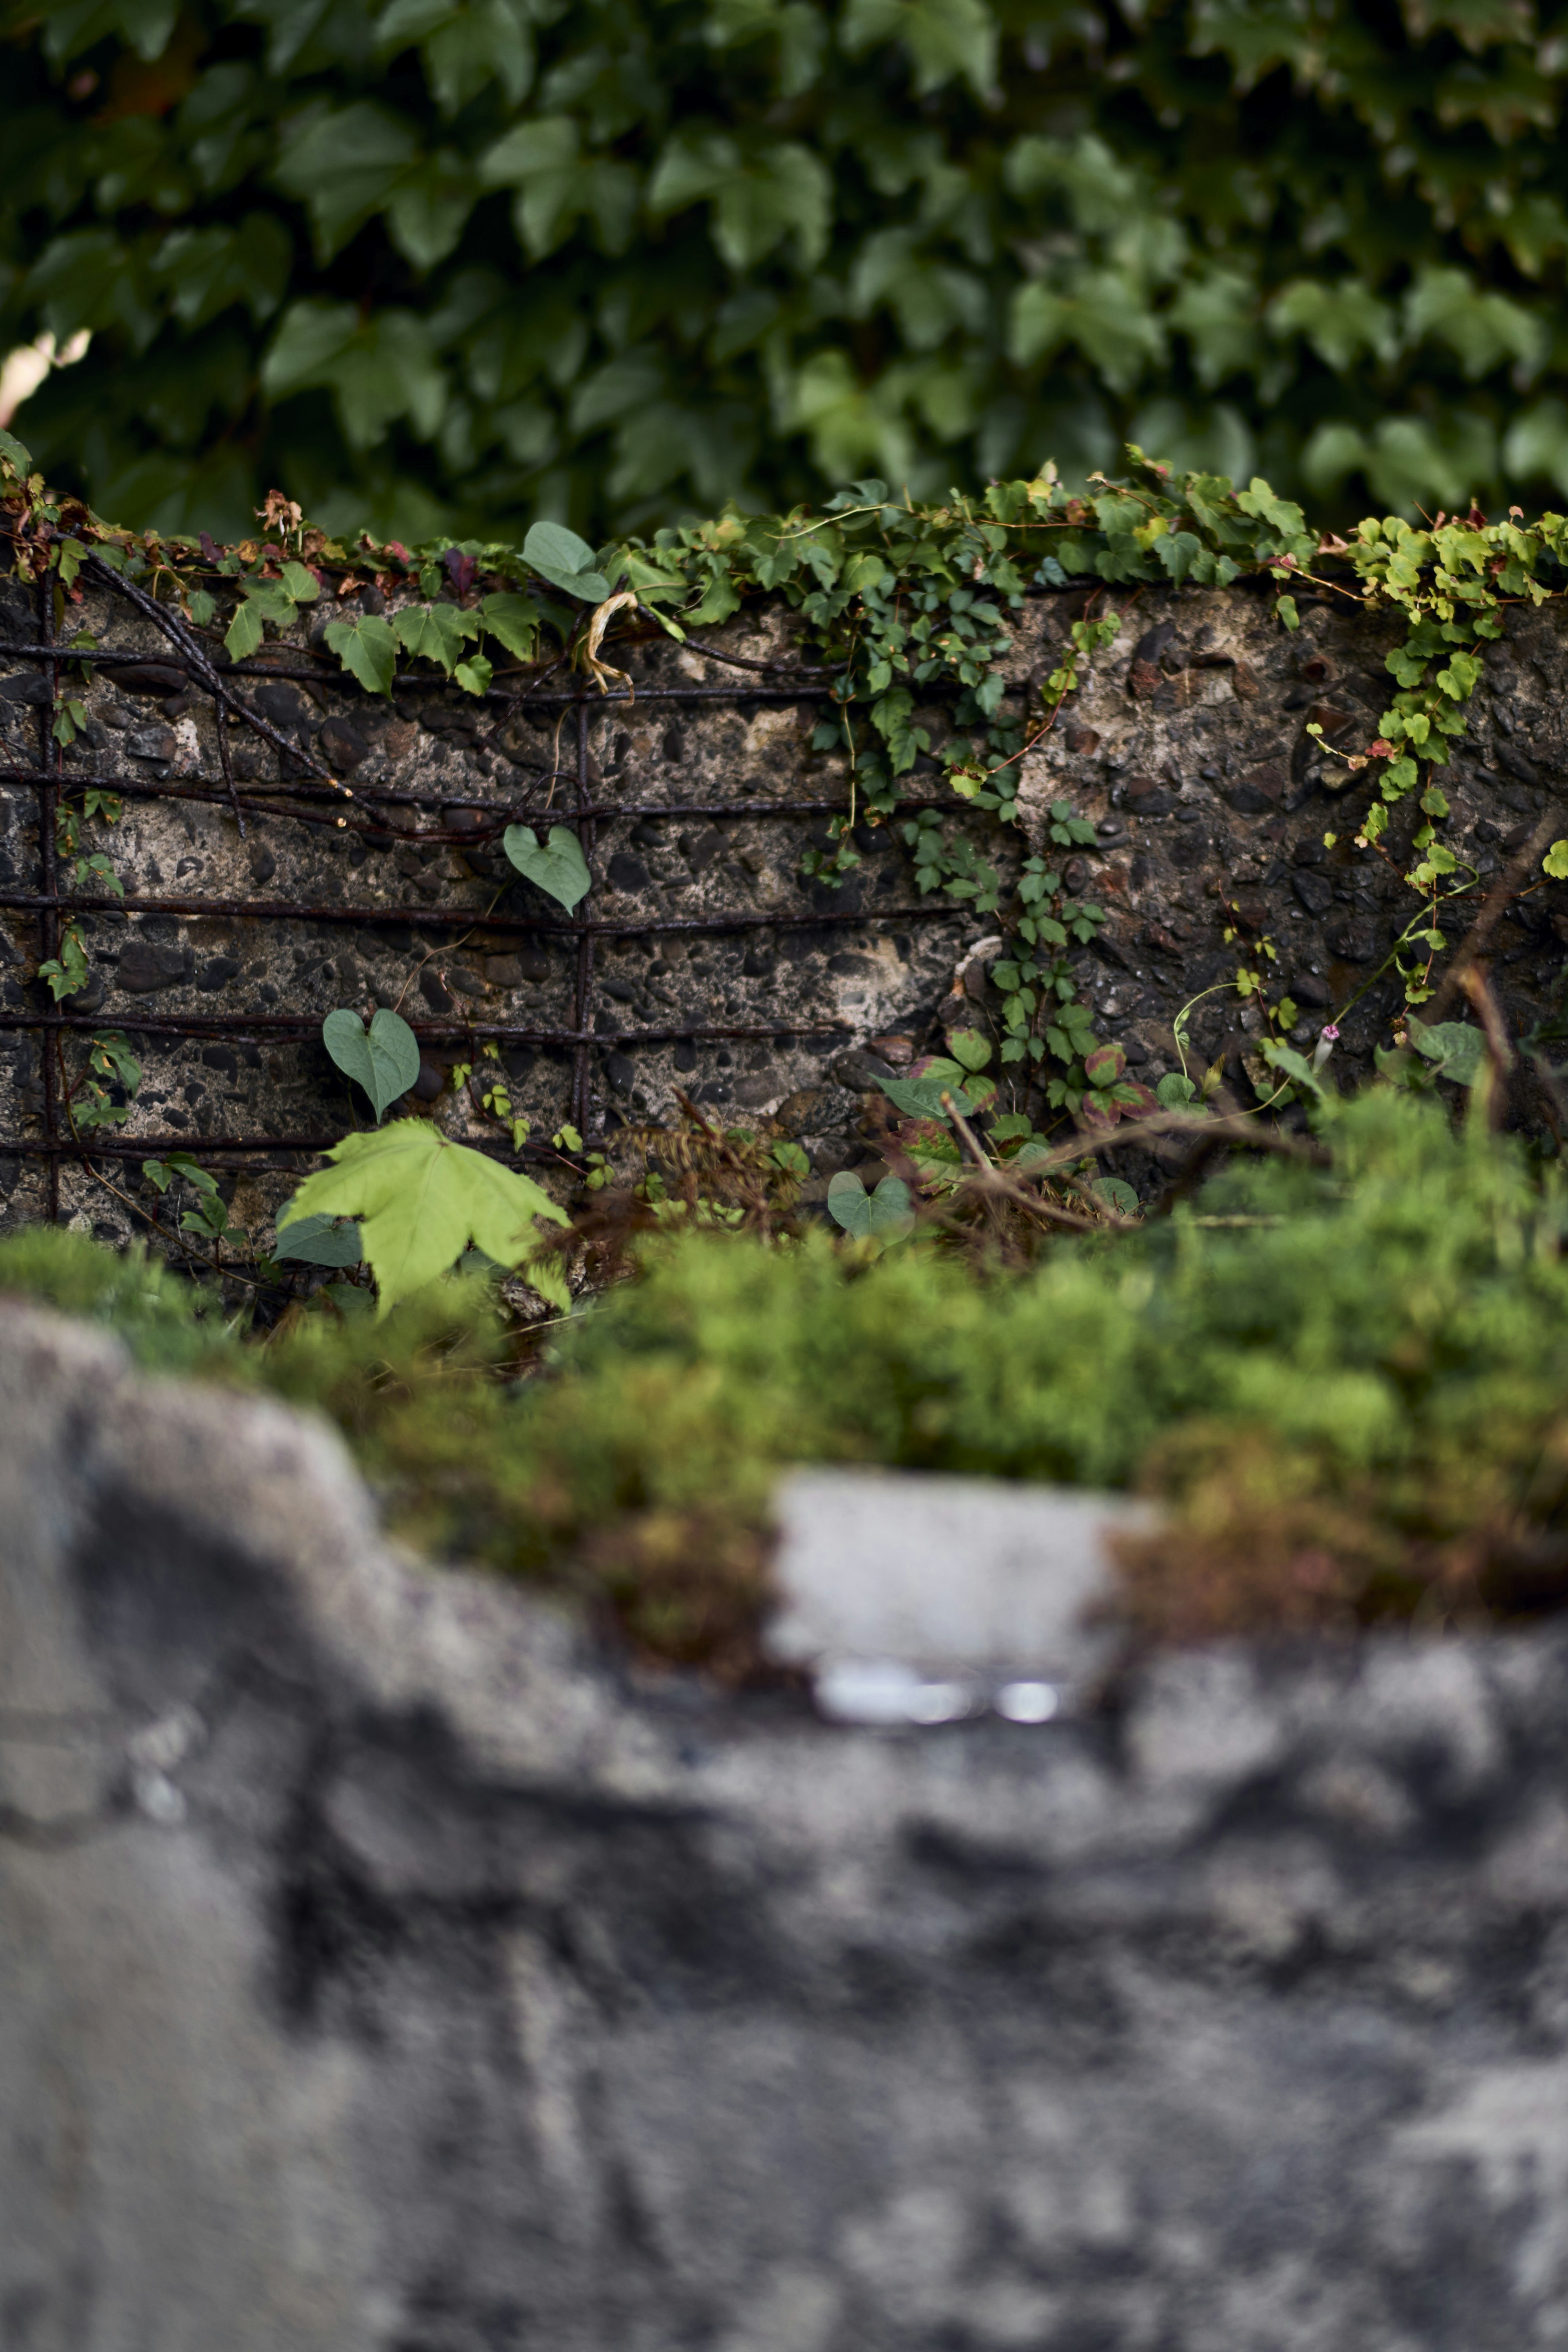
(1509, 886)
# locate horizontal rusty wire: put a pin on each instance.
(309, 793)
(201, 666)
(274, 910)
(257, 1026)
(267, 800)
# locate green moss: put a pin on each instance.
(1361, 1366)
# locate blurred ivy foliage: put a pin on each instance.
(443, 265)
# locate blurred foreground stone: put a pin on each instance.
(382, 1971)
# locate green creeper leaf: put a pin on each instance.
(208, 269)
(1174, 1092)
(1116, 1193)
(1555, 862)
(436, 633)
(944, 38)
(420, 1201)
(385, 1060)
(558, 867)
(514, 620)
(886, 1215)
(319, 1241)
(921, 1097)
(1290, 1064)
(427, 211)
(366, 648)
(567, 562)
(343, 163)
(245, 631)
(1456, 1048)
(474, 677)
(969, 1048)
(378, 369)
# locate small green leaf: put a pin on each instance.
(366, 648)
(1174, 1092)
(1555, 862)
(886, 1215)
(474, 674)
(245, 631)
(1456, 1048)
(420, 1201)
(567, 562)
(558, 867)
(969, 1048)
(514, 621)
(384, 1061)
(921, 1097)
(319, 1241)
(1116, 1194)
(436, 633)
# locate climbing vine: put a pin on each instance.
(898, 604)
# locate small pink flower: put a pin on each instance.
(1325, 1045)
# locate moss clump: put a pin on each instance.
(1348, 1384)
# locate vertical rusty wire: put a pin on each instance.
(583, 995)
(48, 881)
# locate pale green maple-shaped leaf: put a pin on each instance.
(367, 648)
(421, 1201)
(556, 867)
(436, 632)
(514, 620)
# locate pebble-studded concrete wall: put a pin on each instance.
(1189, 747)
(702, 960)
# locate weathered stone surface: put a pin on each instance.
(381, 1971)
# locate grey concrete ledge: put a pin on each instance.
(381, 1971)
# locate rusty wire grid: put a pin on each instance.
(308, 792)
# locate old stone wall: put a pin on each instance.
(370, 870)
(383, 1971)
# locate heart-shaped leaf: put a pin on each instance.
(567, 562)
(385, 1060)
(556, 867)
(886, 1215)
(319, 1241)
(421, 1201)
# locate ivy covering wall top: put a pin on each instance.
(448, 266)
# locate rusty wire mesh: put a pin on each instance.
(308, 790)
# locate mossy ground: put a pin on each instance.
(1348, 1383)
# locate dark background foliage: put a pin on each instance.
(432, 266)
